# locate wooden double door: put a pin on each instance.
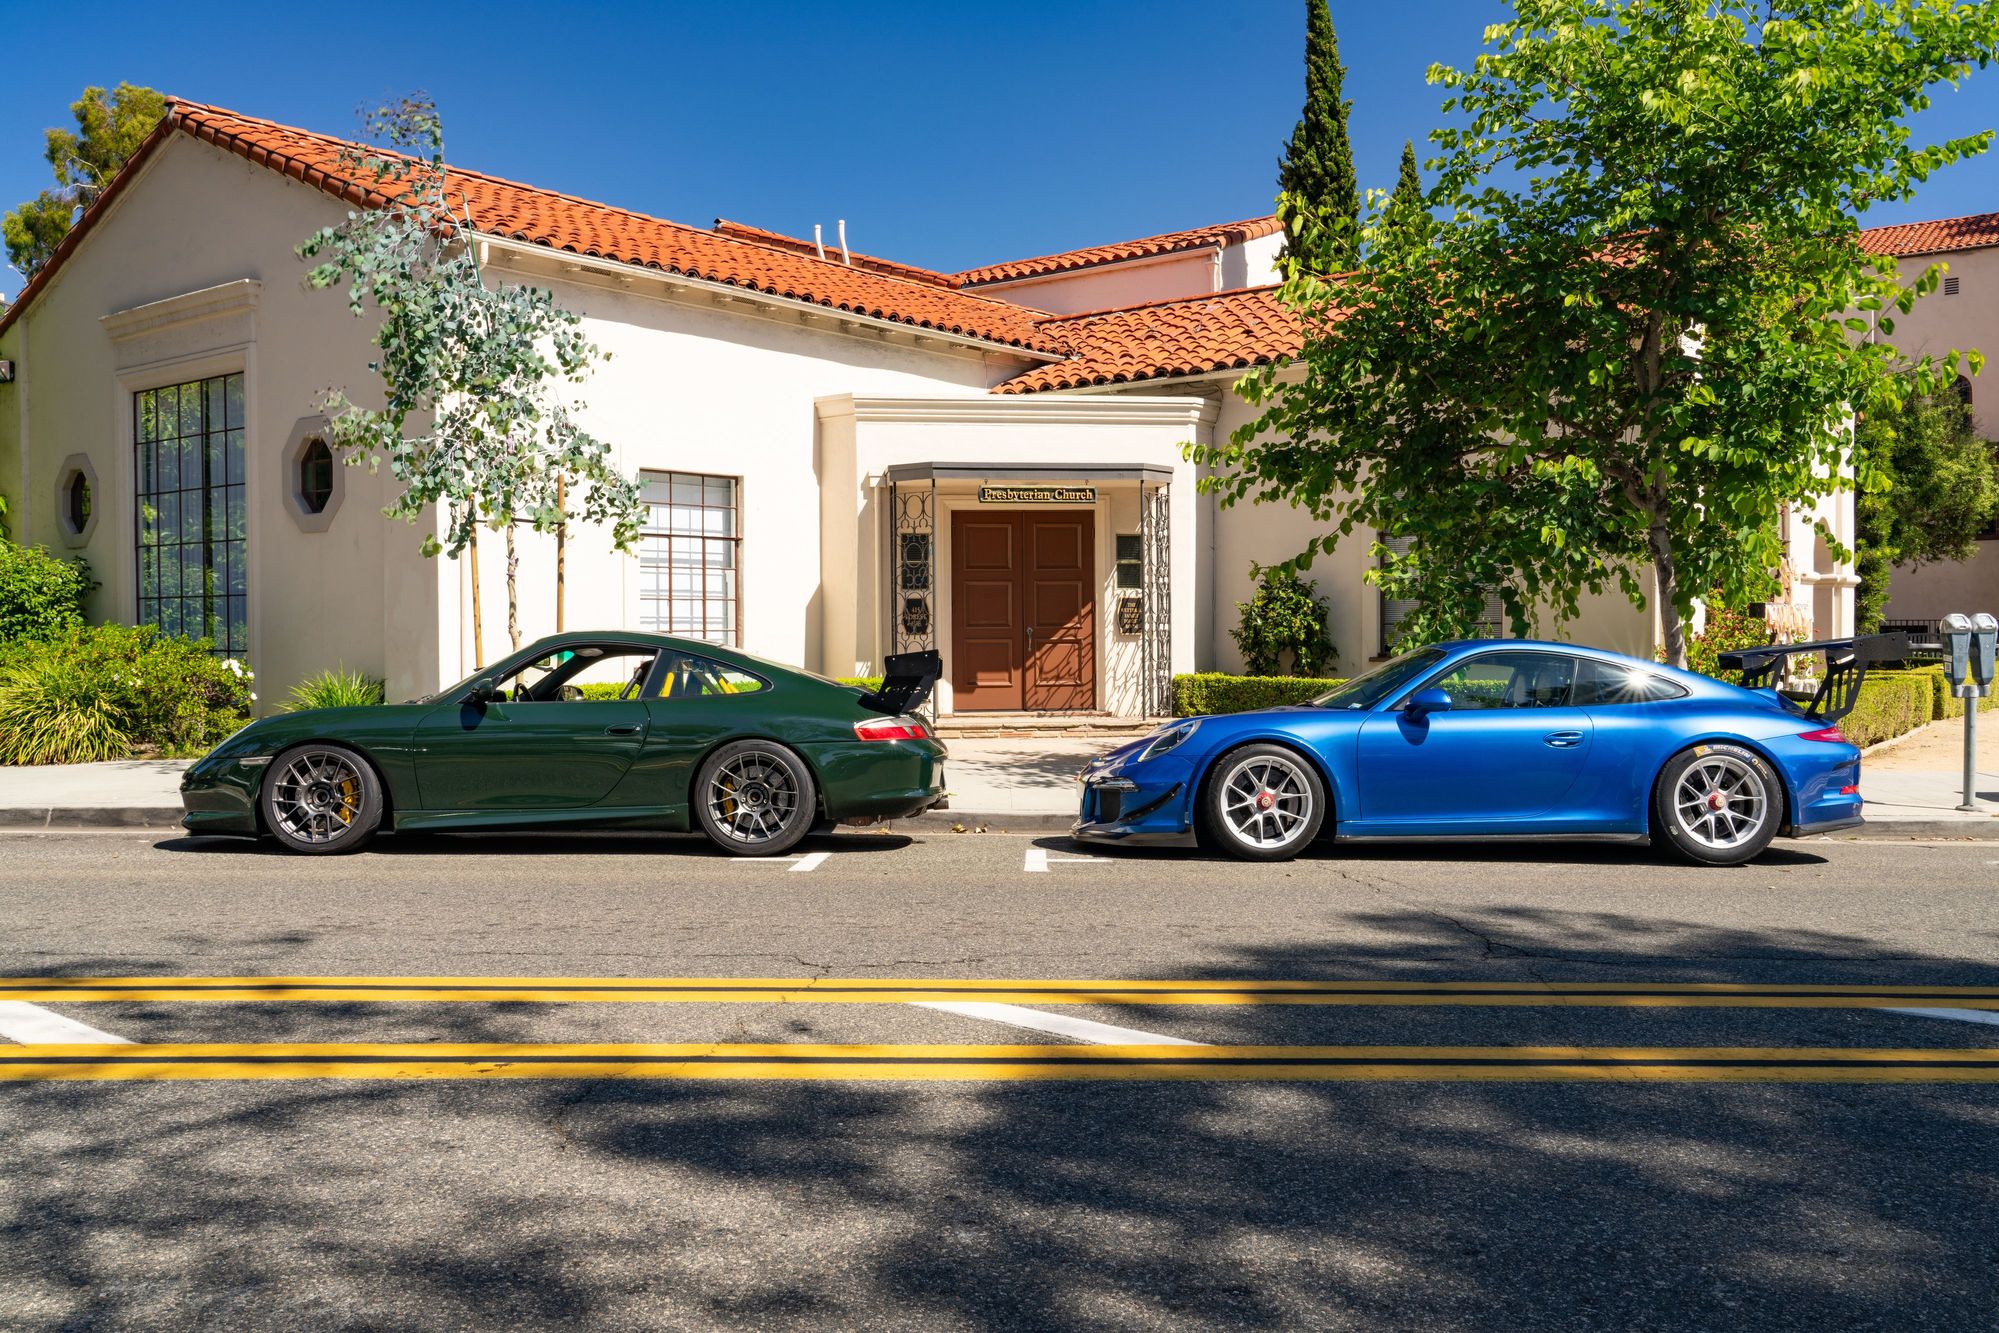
(1023, 609)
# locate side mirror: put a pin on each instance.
(1426, 702)
(483, 692)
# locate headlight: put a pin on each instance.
(1169, 739)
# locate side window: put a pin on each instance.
(1509, 680)
(688, 676)
(579, 674)
(1599, 684)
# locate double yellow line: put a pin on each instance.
(1311, 1064)
(848, 990)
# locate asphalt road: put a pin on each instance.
(1392, 1195)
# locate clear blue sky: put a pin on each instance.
(948, 133)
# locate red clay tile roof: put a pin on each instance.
(1930, 238)
(1192, 335)
(563, 222)
(742, 231)
(1200, 238)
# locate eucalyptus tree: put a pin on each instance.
(1624, 331)
(474, 420)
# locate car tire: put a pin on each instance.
(321, 799)
(755, 798)
(1261, 803)
(1717, 804)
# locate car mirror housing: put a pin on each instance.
(483, 692)
(1426, 702)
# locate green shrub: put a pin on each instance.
(1890, 703)
(335, 688)
(52, 714)
(1285, 617)
(1218, 692)
(1726, 632)
(39, 594)
(166, 696)
(869, 683)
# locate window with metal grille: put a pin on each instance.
(690, 574)
(188, 442)
(1491, 621)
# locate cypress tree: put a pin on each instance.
(1406, 204)
(1319, 200)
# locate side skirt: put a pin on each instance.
(654, 816)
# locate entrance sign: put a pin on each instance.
(1037, 495)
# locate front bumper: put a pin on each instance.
(221, 800)
(1141, 804)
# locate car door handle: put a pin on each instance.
(1563, 740)
(624, 729)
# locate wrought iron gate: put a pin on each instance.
(1155, 644)
(912, 559)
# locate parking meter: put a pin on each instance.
(1984, 640)
(1957, 650)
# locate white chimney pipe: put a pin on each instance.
(846, 255)
(818, 243)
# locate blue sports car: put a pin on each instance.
(1499, 738)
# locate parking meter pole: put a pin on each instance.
(1970, 747)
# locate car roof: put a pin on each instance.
(1691, 679)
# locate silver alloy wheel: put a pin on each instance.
(1267, 801)
(752, 798)
(1720, 802)
(317, 797)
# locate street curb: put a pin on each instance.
(85, 816)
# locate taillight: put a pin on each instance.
(1830, 735)
(891, 729)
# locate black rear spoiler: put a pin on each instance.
(1846, 663)
(906, 682)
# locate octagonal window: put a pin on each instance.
(315, 476)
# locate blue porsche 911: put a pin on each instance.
(1500, 738)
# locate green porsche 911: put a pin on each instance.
(605, 729)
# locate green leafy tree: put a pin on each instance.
(1623, 339)
(480, 364)
(109, 129)
(1284, 617)
(1318, 200)
(1938, 490)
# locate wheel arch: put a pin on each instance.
(1760, 751)
(796, 752)
(367, 757)
(1312, 758)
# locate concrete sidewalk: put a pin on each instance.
(1028, 786)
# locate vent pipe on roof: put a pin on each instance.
(846, 255)
(818, 242)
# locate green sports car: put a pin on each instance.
(603, 729)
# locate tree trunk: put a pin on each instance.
(561, 541)
(478, 622)
(513, 596)
(1666, 586)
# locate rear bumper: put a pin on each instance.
(879, 779)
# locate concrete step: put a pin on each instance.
(969, 726)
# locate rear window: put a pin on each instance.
(1601, 684)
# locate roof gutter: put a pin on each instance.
(725, 291)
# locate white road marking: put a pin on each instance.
(810, 861)
(1038, 861)
(32, 1025)
(1959, 1015)
(1062, 1025)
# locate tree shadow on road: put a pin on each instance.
(1019, 1205)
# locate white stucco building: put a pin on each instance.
(843, 456)
(1961, 315)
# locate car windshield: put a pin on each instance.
(1366, 690)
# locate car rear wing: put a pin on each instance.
(906, 682)
(1846, 663)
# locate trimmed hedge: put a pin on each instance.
(1943, 703)
(1212, 692)
(1890, 703)
(868, 683)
